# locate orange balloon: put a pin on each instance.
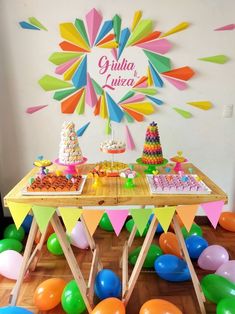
(169, 244)
(48, 294)
(50, 230)
(159, 306)
(109, 306)
(227, 221)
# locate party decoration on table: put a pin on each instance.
(42, 164)
(185, 114)
(34, 109)
(195, 245)
(78, 236)
(71, 299)
(48, 294)
(14, 310)
(130, 225)
(187, 214)
(204, 105)
(159, 228)
(10, 264)
(70, 216)
(227, 221)
(49, 231)
(141, 218)
(153, 252)
(109, 306)
(129, 140)
(195, 230)
(117, 219)
(109, 168)
(81, 131)
(220, 59)
(11, 232)
(227, 270)
(172, 268)
(179, 159)
(107, 284)
(169, 244)
(164, 216)
(18, 212)
(105, 223)
(129, 175)
(213, 257)
(229, 27)
(226, 306)
(43, 215)
(92, 219)
(159, 306)
(26, 224)
(213, 211)
(10, 244)
(53, 245)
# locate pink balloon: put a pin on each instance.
(213, 257)
(227, 270)
(10, 262)
(78, 236)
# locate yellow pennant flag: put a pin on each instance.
(92, 218)
(187, 214)
(18, 212)
(70, 216)
(43, 216)
(164, 216)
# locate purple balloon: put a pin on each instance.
(78, 236)
(213, 257)
(227, 270)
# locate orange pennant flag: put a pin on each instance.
(92, 219)
(187, 214)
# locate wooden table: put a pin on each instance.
(110, 193)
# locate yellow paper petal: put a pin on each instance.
(110, 44)
(204, 105)
(150, 79)
(70, 216)
(68, 31)
(136, 19)
(103, 108)
(144, 107)
(18, 212)
(70, 72)
(180, 27)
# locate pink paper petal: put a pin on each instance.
(143, 84)
(129, 140)
(159, 46)
(178, 84)
(135, 98)
(117, 218)
(63, 67)
(91, 98)
(228, 27)
(114, 53)
(31, 110)
(213, 211)
(93, 20)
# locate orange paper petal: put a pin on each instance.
(70, 104)
(66, 46)
(150, 37)
(140, 81)
(184, 73)
(97, 107)
(106, 39)
(137, 116)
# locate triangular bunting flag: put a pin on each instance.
(117, 26)
(184, 73)
(115, 113)
(183, 113)
(107, 26)
(91, 98)
(143, 29)
(136, 19)
(141, 218)
(129, 139)
(220, 59)
(59, 58)
(31, 110)
(178, 28)
(158, 82)
(161, 46)
(81, 103)
(69, 32)
(178, 84)
(164, 216)
(125, 34)
(43, 216)
(48, 83)
(92, 219)
(18, 212)
(160, 63)
(69, 104)
(187, 214)
(80, 76)
(117, 218)
(70, 216)
(93, 20)
(213, 211)
(204, 105)
(81, 131)
(79, 24)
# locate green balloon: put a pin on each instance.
(226, 306)
(72, 301)
(129, 226)
(216, 288)
(105, 223)
(195, 230)
(153, 253)
(53, 245)
(10, 244)
(11, 232)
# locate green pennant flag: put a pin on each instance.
(70, 216)
(18, 212)
(220, 59)
(164, 216)
(141, 218)
(43, 216)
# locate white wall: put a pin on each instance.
(207, 139)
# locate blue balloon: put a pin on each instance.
(171, 268)
(107, 284)
(14, 310)
(159, 227)
(195, 245)
(26, 224)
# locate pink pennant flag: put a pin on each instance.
(228, 27)
(31, 110)
(133, 99)
(129, 140)
(93, 20)
(117, 218)
(178, 84)
(64, 66)
(91, 98)
(114, 53)
(159, 46)
(213, 211)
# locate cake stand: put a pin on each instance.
(151, 167)
(71, 168)
(179, 159)
(43, 164)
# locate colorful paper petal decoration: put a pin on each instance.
(93, 20)
(143, 29)
(81, 104)
(105, 29)
(158, 46)
(128, 117)
(66, 46)
(150, 37)
(117, 26)
(65, 66)
(117, 218)
(106, 39)
(135, 98)
(69, 105)
(109, 45)
(68, 74)
(108, 129)
(115, 113)
(146, 91)
(164, 216)
(178, 84)
(126, 96)
(156, 100)
(91, 98)
(26, 25)
(129, 139)
(31, 110)
(114, 53)
(150, 79)
(213, 211)
(97, 107)
(160, 63)
(92, 219)
(141, 218)
(70, 216)
(62, 57)
(145, 108)
(36, 23)
(180, 27)
(228, 27)
(220, 59)
(79, 24)
(136, 19)
(187, 214)
(125, 34)
(81, 131)
(69, 32)
(135, 115)
(142, 80)
(43, 215)
(183, 113)
(97, 87)
(184, 73)
(103, 107)
(18, 212)
(64, 93)
(204, 105)
(80, 76)
(48, 83)
(158, 82)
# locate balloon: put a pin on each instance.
(107, 284)
(53, 245)
(11, 232)
(195, 230)
(153, 252)
(226, 306)
(227, 270)
(129, 226)
(227, 221)
(105, 223)
(109, 306)
(159, 227)
(14, 310)
(195, 245)
(26, 224)
(78, 236)
(48, 294)
(10, 244)
(172, 268)
(49, 231)
(169, 244)
(213, 257)
(159, 306)
(71, 300)
(217, 288)
(10, 262)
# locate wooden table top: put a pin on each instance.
(112, 192)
